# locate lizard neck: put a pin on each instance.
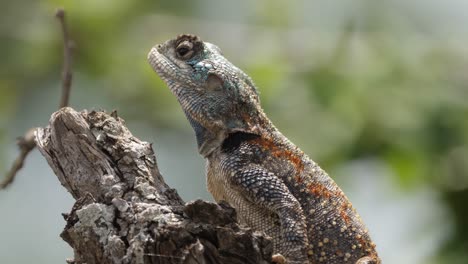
(261, 129)
(267, 130)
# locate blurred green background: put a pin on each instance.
(375, 91)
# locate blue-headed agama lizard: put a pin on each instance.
(272, 184)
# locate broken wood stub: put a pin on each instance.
(124, 211)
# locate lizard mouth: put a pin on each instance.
(170, 71)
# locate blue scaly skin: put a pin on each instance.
(273, 185)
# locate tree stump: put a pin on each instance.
(124, 211)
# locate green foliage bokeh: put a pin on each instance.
(379, 83)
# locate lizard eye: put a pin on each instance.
(185, 50)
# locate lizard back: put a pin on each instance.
(335, 231)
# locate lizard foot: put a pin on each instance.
(278, 259)
(368, 260)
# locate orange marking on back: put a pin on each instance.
(343, 212)
(319, 190)
(280, 153)
(299, 179)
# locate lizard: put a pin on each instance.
(274, 186)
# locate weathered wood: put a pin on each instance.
(124, 211)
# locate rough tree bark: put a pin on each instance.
(124, 211)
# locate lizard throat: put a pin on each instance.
(207, 140)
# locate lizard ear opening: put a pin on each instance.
(214, 82)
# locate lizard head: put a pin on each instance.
(217, 97)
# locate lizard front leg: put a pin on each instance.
(258, 193)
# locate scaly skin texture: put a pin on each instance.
(273, 185)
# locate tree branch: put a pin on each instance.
(68, 46)
(125, 212)
(26, 143)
